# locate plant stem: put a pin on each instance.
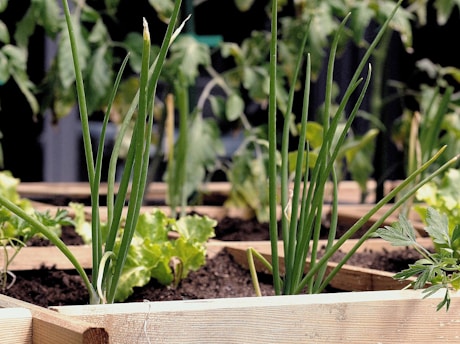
(272, 149)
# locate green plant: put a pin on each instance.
(153, 252)
(437, 270)
(434, 124)
(322, 19)
(198, 144)
(441, 194)
(107, 264)
(303, 204)
(15, 232)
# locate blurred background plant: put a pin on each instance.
(225, 72)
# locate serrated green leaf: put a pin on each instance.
(137, 269)
(244, 5)
(314, 134)
(48, 14)
(162, 271)
(192, 255)
(99, 33)
(133, 276)
(99, 80)
(25, 28)
(16, 59)
(400, 233)
(26, 87)
(163, 8)
(218, 106)
(204, 147)
(3, 5)
(438, 228)
(133, 43)
(64, 55)
(187, 55)
(4, 34)
(248, 177)
(234, 107)
(361, 16)
(64, 100)
(256, 80)
(197, 229)
(82, 227)
(154, 226)
(4, 68)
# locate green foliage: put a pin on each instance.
(443, 195)
(353, 155)
(107, 265)
(248, 177)
(153, 253)
(186, 57)
(322, 21)
(199, 144)
(302, 201)
(14, 231)
(420, 133)
(435, 270)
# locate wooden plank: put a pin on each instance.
(361, 317)
(349, 277)
(81, 190)
(15, 326)
(30, 258)
(348, 214)
(50, 327)
(215, 212)
(349, 191)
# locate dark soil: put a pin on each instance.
(221, 277)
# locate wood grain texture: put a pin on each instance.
(361, 317)
(349, 191)
(349, 277)
(50, 327)
(15, 326)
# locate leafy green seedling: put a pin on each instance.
(154, 253)
(443, 195)
(437, 270)
(15, 232)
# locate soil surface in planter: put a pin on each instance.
(221, 277)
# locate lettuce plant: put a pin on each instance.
(15, 232)
(442, 195)
(154, 252)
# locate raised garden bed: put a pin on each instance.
(154, 319)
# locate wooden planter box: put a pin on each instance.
(349, 317)
(386, 314)
(355, 317)
(25, 323)
(233, 320)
